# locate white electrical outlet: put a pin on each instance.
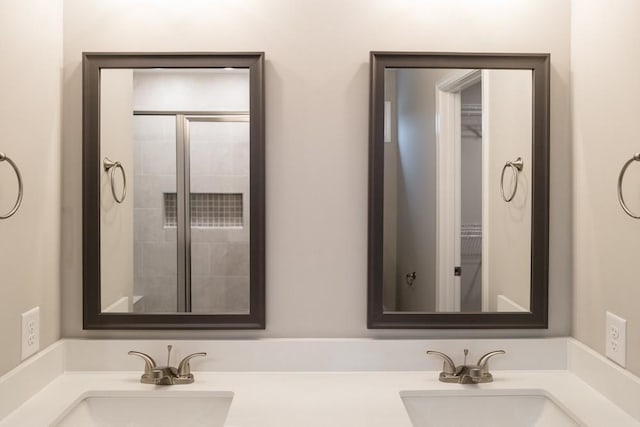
(30, 332)
(616, 339)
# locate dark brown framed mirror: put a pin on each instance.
(173, 191)
(458, 190)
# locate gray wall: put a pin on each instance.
(317, 92)
(606, 91)
(416, 188)
(390, 209)
(30, 118)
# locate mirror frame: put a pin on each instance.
(538, 315)
(93, 317)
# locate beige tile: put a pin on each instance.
(154, 128)
(147, 224)
(159, 294)
(230, 259)
(149, 191)
(159, 158)
(200, 158)
(237, 295)
(159, 259)
(200, 260)
(221, 295)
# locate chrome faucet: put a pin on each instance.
(466, 374)
(166, 375)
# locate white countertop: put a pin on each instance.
(319, 398)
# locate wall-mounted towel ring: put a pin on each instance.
(110, 167)
(635, 158)
(15, 208)
(515, 167)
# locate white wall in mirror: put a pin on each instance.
(117, 219)
(191, 90)
(508, 129)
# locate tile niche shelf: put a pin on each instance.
(208, 210)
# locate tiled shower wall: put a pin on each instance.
(220, 245)
(155, 246)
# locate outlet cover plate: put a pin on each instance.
(30, 332)
(616, 336)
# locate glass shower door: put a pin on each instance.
(217, 240)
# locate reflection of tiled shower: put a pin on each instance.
(217, 258)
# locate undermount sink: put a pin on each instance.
(479, 408)
(153, 408)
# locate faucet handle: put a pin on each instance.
(449, 367)
(484, 360)
(169, 347)
(149, 363)
(184, 369)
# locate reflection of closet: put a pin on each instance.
(471, 235)
(471, 199)
(471, 260)
(472, 120)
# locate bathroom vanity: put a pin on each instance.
(538, 382)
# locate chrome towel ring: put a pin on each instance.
(635, 158)
(4, 157)
(516, 168)
(110, 167)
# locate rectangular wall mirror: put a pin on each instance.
(458, 190)
(173, 191)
